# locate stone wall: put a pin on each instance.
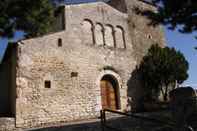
(7, 124)
(73, 66)
(58, 75)
(142, 33)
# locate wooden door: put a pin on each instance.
(108, 95)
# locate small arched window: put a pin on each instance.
(149, 36)
(99, 30)
(120, 37)
(88, 31)
(109, 38)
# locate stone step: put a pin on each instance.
(7, 124)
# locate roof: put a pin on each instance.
(69, 2)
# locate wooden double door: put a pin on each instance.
(108, 95)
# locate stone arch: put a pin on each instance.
(112, 78)
(88, 30)
(99, 31)
(120, 37)
(109, 35)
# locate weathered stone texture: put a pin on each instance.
(70, 97)
(58, 75)
(142, 33)
(7, 124)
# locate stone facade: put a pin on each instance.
(142, 33)
(58, 75)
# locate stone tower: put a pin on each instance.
(142, 33)
(119, 5)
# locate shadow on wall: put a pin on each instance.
(5, 85)
(5, 91)
(135, 91)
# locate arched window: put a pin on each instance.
(88, 30)
(99, 34)
(120, 37)
(109, 38)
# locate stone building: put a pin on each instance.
(87, 65)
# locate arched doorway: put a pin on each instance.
(109, 93)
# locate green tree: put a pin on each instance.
(34, 17)
(162, 67)
(175, 13)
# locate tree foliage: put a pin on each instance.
(34, 17)
(162, 67)
(174, 13)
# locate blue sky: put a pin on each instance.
(183, 42)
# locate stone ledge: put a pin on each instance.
(7, 124)
(59, 124)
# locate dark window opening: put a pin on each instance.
(47, 84)
(74, 74)
(59, 42)
(149, 36)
